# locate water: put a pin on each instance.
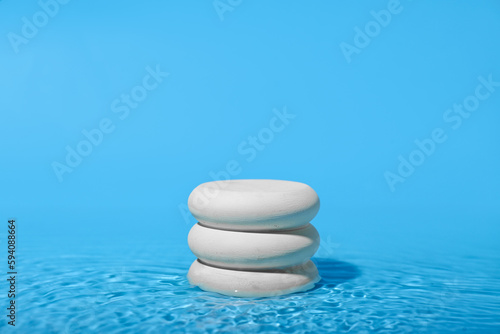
(145, 292)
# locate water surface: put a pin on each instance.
(149, 293)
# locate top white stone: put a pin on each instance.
(253, 205)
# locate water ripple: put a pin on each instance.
(89, 295)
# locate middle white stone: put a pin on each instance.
(253, 250)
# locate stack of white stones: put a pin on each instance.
(253, 237)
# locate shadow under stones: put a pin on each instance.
(334, 271)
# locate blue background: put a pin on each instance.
(353, 119)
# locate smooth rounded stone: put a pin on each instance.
(253, 250)
(253, 205)
(243, 283)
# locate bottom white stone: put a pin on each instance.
(262, 283)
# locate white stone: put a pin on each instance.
(253, 250)
(253, 205)
(241, 283)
